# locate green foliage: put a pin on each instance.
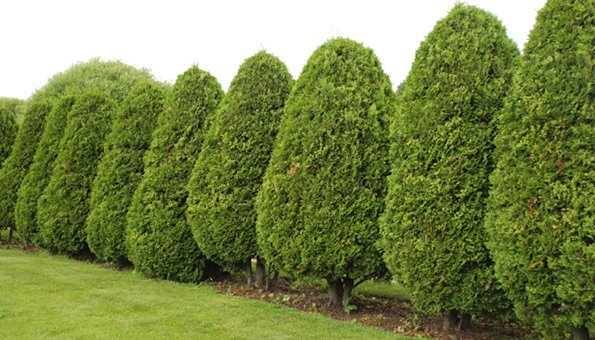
(64, 205)
(237, 148)
(112, 77)
(324, 187)
(542, 205)
(15, 106)
(40, 171)
(121, 169)
(432, 228)
(15, 167)
(158, 240)
(8, 131)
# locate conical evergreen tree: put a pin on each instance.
(324, 187)
(15, 167)
(234, 156)
(64, 205)
(432, 228)
(542, 204)
(121, 169)
(158, 240)
(8, 131)
(40, 171)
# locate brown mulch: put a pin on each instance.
(386, 313)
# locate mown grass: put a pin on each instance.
(47, 296)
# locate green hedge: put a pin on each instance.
(234, 156)
(39, 173)
(542, 204)
(64, 205)
(121, 169)
(8, 132)
(15, 167)
(432, 228)
(324, 187)
(15, 106)
(158, 240)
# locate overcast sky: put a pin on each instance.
(41, 38)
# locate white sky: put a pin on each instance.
(41, 38)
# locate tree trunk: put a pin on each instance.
(335, 288)
(9, 235)
(260, 274)
(464, 322)
(450, 320)
(347, 290)
(579, 333)
(249, 273)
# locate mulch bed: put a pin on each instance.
(387, 313)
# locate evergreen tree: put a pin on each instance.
(120, 171)
(158, 240)
(234, 156)
(432, 228)
(542, 205)
(15, 167)
(8, 131)
(64, 205)
(324, 187)
(15, 106)
(39, 173)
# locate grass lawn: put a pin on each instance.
(47, 296)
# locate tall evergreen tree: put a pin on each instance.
(121, 169)
(432, 228)
(234, 156)
(15, 167)
(324, 187)
(158, 240)
(542, 205)
(8, 131)
(64, 205)
(40, 171)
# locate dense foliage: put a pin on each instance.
(158, 239)
(8, 131)
(432, 228)
(15, 167)
(40, 171)
(542, 205)
(234, 156)
(324, 187)
(64, 205)
(121, 169)
(15, 106)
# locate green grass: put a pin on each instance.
(381, 288)
(45, 296)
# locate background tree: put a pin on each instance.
(15, 167)
(158, 240)
(121, 169)
(542, 205)
(434, 239)
(324, 187)
(8, 131)
(39, 173)
(15, 106)
(234, 156)
(64, 205)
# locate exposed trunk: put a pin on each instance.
(464, 322)
(451, 318)
(335, 289)
(260, 274)
(249, 273)
(9, 235)
(579, 333)
(347, 290)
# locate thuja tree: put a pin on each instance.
(15, 106)
(235, 153)
(542, 212)
(121, 169)
(8, 131)
(39, 173)
(158, 239)
(441, 156)
(64, 205)
(324, 187)
(15, 167)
